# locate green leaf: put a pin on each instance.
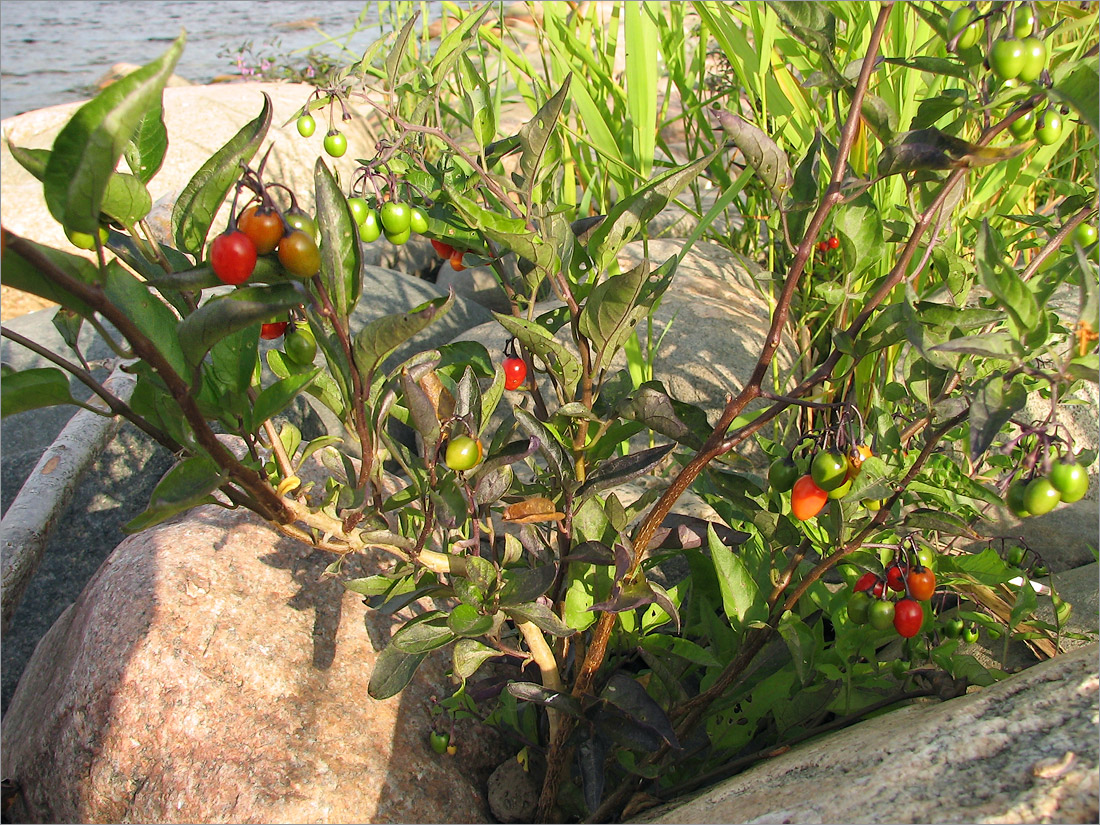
(991, 409)
(378, 339)
(613, 309)
(21, 274)
(469, 655)
(225, 314)
(802, 644)
(534, 135)
(663, 645)
(34, 388)
(200, 200)
(761, 152)
(1000, 345)
(148, 313)
(465, 620)
(530, 692)
(510, 232)
(1080, 90)
(923, 518)
(423, 634)
(640, 33)
(617, 471)
(549, 446)
(631, 213)
(341, 253)
(186, 485)
(398, 51)
(88, 148)
(741, 598)
(393, 670)
(526, 584)
(859, 228)
(629, 696)
(148, 144)
(125, 198)
(1004, 283)
(541, 616)
(275, 398)
(543, 344)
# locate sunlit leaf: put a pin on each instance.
(88, 148)
(186, 485)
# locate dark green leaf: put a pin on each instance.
(34, 388)
(465, 620)
(653, 407)
(949, 524)
(615, 306)
(617, 471)
(934, 65)
(423, 634)
(341, 254)
(226, 314)
(931, 149)
(378, 339)
(530, 692)
(1004, 283)
(626, 694)
(991, 409)
(393, 670)
(664, 644)
(526, 584)
(542, 617)
(200, 200)
(556, 458)
(186, 485)
(535, 134)
(761, 152)
(88, 148)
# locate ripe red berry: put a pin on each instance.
(233, 257)
(895, 577)
(834, 242)
(869, 581)
(273, 330)
(515, 371)
(908, 617)
(823, 246)
(443, 250)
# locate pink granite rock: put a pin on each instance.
(208, 674)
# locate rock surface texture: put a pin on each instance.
(208, 673)
(1023, 750)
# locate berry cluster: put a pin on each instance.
(830, 476)
(909, 578)
(260, 230)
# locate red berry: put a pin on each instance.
(233, 257)
(895, 577)
(807, 498)
(443, 250)
(273, 330)
(869, 581)
(834, 242)
(515, 371)
(823, 246)
(908, 617)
